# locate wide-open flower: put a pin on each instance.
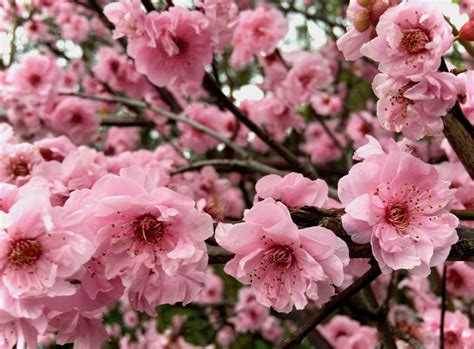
(35, 79)
(414, 106)
(150, 236)
(411, 39)
(76, 118)
(283, 264)
(175, 47)
(258, 32)
(36, 255)
(398, 204)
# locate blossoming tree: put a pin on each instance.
(237, 174)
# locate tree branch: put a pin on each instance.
(329, 307)
(222, 100)
(228, 165)
(463, 250)
(459, 132)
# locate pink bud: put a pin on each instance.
(362, 21)
(467, 31)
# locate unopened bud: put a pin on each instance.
(467, 31)
(377, 10)
(362, 21)
(365, 3)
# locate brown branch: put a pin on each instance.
(223, 101)
(460, 133)
(463, 250)
(329, 307)
(443, 307)
(148, 5)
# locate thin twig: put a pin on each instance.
(329, 307)
(443, 307)
(227, 164)
(211, 86)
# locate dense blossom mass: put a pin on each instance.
(236, 174)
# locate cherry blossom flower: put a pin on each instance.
(175, 47)
(284, 265)
(411, 39)
(34, 246)
(310, 72)
(457, 334)
(398, 204)
(151, 236)
(414, 106)
(75, 118)
(209, 116)
(363, 17)
(35, 78)
(342, 332)
(127, 16)
(258, 32)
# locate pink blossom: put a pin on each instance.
(119, 73)
(151, 236)
(34, 79)
(35, 29)
(420, 291)
(398, 204)
(360, 124)
(326, 104)
(271, 329)
(310, 72)
(215, 195)
(411, 39)
(17, 162)
(249, 313)
(212, 292)
(56, 148)
(468, 102)
(75, 28)
(76, 118)
(175, 48)
(209, 116)
(414, 106)
(275, 115)
(84, 329)
(127, 17)
(258, 32)
(363, 17)
(121, 139)
(283, 264)
(34, 246)
(344, 333)
(319, 144)
(294, 190)
(457, 334)
(460, 280)
(222, 14)
(225, 336)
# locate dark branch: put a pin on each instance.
(329, 307)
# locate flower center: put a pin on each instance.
(414, 40)
(147, 228)
(281, 256)
(114, 65)
(19, 168)
(34, 79)
(397, 215)
(454, 278)
(76, 118)
(24, 252)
